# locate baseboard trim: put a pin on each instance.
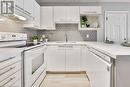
(66, 72)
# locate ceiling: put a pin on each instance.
(44, 2)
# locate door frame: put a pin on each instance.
(108, 12)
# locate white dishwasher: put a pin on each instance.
(100, 69)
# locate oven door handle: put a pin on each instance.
(102, 59)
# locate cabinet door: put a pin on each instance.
(90, 10)
(116, 26)
(73, 55)
(66, 14)
(72, 13)
(37, 14)
(55, 56)
(47, 21)
(59, 13)
(84, 56)
(19, 3)
(28, 7)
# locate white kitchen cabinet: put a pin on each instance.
(93, 14)
(28, 7)
(59, 13)
(90, 10)
(73, 14)
(55, 56)
(116, 26)
(36, 14)
(73, 55)
(19, 3)
(34, 23)
(66, 14)
(63, 58)
(10, 71)
(84, 56)
(47, 19)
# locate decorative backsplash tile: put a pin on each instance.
(67, 27)
(72, 32)
(92, 35)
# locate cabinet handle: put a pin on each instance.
(88, 47)
(19, 7)
(61, 46)
(27, 12)
(108, 68)
(7, 70)
(8, 81)
(102, 59)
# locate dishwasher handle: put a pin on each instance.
(109, 64)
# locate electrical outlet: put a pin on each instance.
(87, 35)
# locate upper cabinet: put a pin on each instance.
(19, 3)
(90, 18)
(90, 10)
(116, 26)
(28, 6)
(24, 8)
(66, 14)
(35, 22)
(47, 18)
(36, 14)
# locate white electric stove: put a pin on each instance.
(33, 56)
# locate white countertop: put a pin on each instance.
(113, 50)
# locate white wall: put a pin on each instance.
(8, 25)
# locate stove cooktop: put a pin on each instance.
(28, 45)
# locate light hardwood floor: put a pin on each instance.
(65, 80)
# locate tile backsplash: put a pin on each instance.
(72, 32)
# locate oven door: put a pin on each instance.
(34, 65)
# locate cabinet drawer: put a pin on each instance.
(90, 9)
(12, 80)
(10, 61)
(5, 73)
(17, 84)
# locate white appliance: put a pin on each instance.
(33, 56)
(101, 69)
(34, 64)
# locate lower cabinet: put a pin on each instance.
(84, 52)
(63, 58)
(73, 58)
(10, 71)
(55, 56)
